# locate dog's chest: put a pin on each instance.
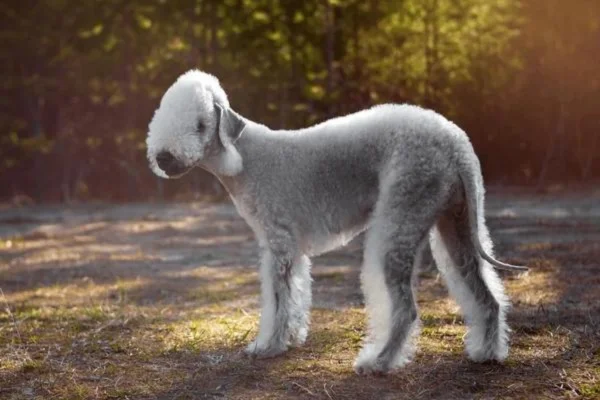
(248, 213)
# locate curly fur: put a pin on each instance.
(400, 172)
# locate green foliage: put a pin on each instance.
(426, 50)
(81, 79)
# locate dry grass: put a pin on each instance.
(150, 302)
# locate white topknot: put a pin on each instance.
(208, 81)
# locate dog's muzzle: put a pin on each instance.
(169, 164)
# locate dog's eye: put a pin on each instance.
(200, 127)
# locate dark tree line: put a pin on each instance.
(81, 79)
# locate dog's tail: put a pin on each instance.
(474, 207)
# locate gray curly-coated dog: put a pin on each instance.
(402, 173)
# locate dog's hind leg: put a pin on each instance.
(472, 282)
(286, 300)
(406, 211)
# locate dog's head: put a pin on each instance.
(194, 126)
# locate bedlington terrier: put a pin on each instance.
(402, 173)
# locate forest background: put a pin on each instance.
(80, 81)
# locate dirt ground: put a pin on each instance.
(146, 301)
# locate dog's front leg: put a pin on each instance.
(286, 298)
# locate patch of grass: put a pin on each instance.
(437, 318)
(15, 241)
(110, 369)
(591, 391)
(334, 276)
(32, 366)
(214, 295)
(122, 289)
(28, 313)
(95, 313)
(535, 246)
(211, 332)
(354, 336)
(119, 393)
(76, 391)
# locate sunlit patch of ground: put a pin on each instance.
(149, 301)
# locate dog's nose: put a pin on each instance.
(170, 164)
(165, 160)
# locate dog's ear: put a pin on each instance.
(230, 126)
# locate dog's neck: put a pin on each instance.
(242, 144)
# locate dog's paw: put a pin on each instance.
(253, 350)
(371, 367)
(298, 338)
(482, 349)
(487, 354)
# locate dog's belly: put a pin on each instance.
(336, 226)
(320, 244)
(339, 216)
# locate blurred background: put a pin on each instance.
(80, 81)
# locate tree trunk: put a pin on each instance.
(330, 53)
(554, 145)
